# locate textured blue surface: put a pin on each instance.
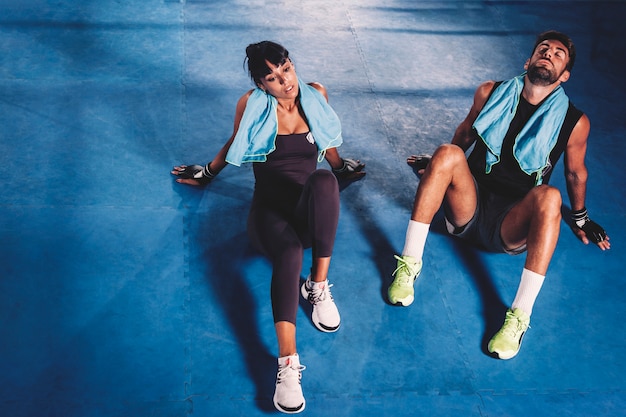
(123, 293)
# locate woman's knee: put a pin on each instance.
(324, 179)
(320, 190)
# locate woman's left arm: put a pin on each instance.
(344, 169)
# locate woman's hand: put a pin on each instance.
(349, 172)
(193, 175)
(352, 169)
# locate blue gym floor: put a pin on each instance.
(123, 293)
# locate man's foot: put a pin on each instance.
(325, 314)
(288, 396)
(506, 343)
(401, 290)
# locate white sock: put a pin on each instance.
(415, 240)
(528, 290)
(312, 284)
(286, 360)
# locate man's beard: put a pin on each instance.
(541, 76)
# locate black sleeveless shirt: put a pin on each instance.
(280, 179)
(506, 177)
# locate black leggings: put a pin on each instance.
(283, 236)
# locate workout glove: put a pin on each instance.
(202, 174)
(349, 166)
(595, 233)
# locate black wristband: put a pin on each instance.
(594, 232)
(343, 168)
(202, 174)
(580, 217)
(206, 171)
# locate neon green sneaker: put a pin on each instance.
(507, 342)
(401, 291)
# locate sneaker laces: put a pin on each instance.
(287, 371)
(317, 294)
(405, 267)
(513, 325)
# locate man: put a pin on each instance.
(498, 198)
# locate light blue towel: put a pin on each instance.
(256, 136)
(537, 138)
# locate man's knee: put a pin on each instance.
(447, 156)
(548, 200)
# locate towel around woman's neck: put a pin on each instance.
(256, 136)
(538, 136)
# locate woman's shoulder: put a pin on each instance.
(246, 96)
(243, 101)
(320, 88)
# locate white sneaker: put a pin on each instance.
(288, 396)
(325, 314)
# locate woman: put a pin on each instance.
(284, 127)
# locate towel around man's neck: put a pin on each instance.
(256, 136)
(536, 139)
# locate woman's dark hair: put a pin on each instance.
(258, 53)
(564, 39)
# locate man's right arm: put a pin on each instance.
(464, 135)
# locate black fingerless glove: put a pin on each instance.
(595, 233)
(202, 174)
(421, 161)
(349, 166)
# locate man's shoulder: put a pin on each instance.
(487, 88)
(573, 112)
(572, 118)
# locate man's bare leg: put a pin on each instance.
(535, 221)
(446, 177)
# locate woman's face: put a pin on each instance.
(282, 81)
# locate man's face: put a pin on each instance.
(548, 63)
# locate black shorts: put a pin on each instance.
(483, 229)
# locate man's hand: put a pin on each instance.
(419, 163)
(589, 231)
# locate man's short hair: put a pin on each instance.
(564, 39)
